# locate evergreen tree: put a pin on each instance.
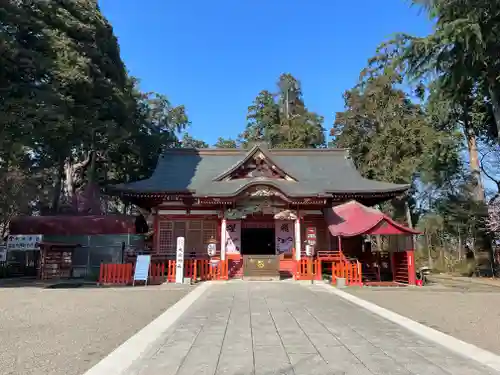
(283, 120)
(188, 141)
(225, 143)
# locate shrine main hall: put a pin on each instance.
(266, 204)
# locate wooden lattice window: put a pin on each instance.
(209, 230)
(165, 237)
(196, 225)
(196, 232)
(194, 238)
(180, 228)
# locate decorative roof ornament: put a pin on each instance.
(286, 215)
(241, 212)
(263, 191)
(257, 162)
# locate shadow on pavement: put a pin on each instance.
(31, 282)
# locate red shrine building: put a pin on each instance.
(261, 205)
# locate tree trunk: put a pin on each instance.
(69, 182)
(5, 226)
(56, 198)
(429, 251)
(460, 246)
(495, 103)
(73, 175)
(482, 236)
(410, 224)
(474, 166)
(91, 179)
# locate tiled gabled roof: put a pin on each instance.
(317, 172)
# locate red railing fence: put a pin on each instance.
(160, 272)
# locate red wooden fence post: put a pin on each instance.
(410, 256)
(101, 274)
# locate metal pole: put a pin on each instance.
(309, 266)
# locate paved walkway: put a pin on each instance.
(259, 328)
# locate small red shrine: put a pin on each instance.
(259, 205)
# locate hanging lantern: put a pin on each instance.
(309, 250)
(212, 247)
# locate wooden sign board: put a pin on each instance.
(24, 242)
(179, 261)
(141, 272)
(261, 266)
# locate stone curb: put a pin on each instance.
(120, 359)
(451, 343)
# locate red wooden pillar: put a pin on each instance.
(410, 256)
(319, 270)
(295, 266)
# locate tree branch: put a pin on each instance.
(487, 174)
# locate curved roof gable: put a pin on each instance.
(353, 219)
(258, 151)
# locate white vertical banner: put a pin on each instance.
(298, 241)
(179, 261)
(223, 236)
(284, 231)
(233, 236)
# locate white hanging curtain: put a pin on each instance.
(284, 236)
(233, 236)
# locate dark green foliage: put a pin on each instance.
(70, 114)
(188, 141)
(225, 143)
(389, 137)
(283, 120)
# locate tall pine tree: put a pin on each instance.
(283, 120)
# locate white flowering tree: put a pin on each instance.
(494, 217)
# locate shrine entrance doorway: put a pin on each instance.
(258, 241)
(260, 261)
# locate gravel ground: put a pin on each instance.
(67, 331)
(468, 312)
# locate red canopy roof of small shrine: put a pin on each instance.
(353, 219)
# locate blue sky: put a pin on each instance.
(215, 56)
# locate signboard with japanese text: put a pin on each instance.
(311, 236)
(211, 249)
(179, 261)
(284, 236)
(309, 250)
(24, 242)
(141, 271)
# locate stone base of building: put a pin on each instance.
(261, 278)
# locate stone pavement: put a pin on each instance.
(260, 328)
